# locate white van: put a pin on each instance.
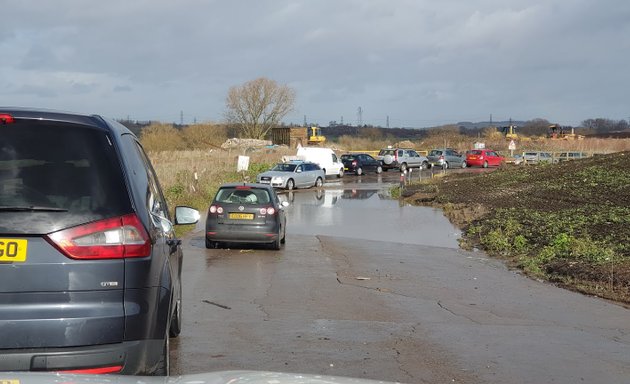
(324, 157)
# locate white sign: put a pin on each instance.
(243, 163)
(512, 145)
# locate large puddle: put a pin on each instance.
(370, 214)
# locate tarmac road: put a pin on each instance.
(367, 288)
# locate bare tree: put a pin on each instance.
(258, 105)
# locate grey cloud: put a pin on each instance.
(36, 91)
(122, 88)
(414, 57)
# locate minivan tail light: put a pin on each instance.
(114, 238)
(93, 371)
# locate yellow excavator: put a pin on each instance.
(315, 136)
(510, 132)
(557, 131)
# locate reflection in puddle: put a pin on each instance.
(368, 214)
(329, 197)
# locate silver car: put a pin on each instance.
(401, 158)
(536, 157)
(564, 156)
(293, 174)
(447, 158)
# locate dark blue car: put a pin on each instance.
(360, 163)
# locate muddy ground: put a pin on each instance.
(568, 223)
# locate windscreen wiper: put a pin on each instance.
(30, 208)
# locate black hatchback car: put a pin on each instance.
(89, 263)
(246, 213)
(359, 163)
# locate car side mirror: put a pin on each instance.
(186, 215)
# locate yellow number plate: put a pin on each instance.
(9, 381)
(13, 250)
(241, 216)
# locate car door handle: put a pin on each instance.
(173, 244)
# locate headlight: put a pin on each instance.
(276, 179)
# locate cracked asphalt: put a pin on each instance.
(367, 288)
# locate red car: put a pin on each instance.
(483, 158)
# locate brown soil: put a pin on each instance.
(586, 199)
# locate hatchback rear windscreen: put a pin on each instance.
(253, 196)
(61, 173)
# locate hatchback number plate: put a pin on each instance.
(13, 250)
(241, 216)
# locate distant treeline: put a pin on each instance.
(536, 127)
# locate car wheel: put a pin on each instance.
(284, 236)
(340, 174)
(176, 319)
(403, 167)
(319, 182)
(445, 165)
(276, 245)
(359, 171)
(379, 169)
(424, 165)
(388, 159)
(210, 244)
(464, 165)
(485, 164)
(290, 184)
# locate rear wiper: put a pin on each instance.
(30, 208)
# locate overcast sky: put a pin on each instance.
(420, 62)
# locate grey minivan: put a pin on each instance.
(89, 263)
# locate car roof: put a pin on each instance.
(296, 162)
(250, 185)
(41, 114)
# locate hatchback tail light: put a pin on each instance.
(354, 163)
(267, 211)
(216, 209)
(5, 118)
(115, 238)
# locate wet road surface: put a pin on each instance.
(367, 288)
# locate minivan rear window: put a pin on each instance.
(60, 169)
